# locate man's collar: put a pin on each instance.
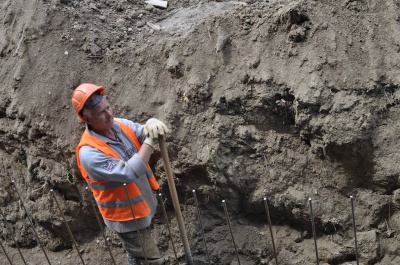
(115, 127)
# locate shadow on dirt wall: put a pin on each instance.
(357, 160)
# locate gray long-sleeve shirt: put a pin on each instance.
(129, 168)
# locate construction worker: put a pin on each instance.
(114, 151)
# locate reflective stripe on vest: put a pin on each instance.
(105, 186)
(111, 196)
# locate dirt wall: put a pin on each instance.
(288, 100)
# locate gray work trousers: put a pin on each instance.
(138, 249)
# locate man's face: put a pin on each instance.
(100, 117)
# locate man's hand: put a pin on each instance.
(154, 127)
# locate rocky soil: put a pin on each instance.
(284, 100)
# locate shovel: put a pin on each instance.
(175, 200)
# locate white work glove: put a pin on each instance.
(153, 128)
(153, 142)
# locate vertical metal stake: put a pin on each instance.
(230, 229)
(167, 224)
(270, 229)
(100, 224)
(136, 224)
(201, 225)
(12, 234)
(313, 228)
(30, 220)
(77, 188)
(354, 228)
(5, 253)
(68, 228)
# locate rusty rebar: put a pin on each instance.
(201, 226)
(167, 224)
(100, 224)
(313, 229)
(230, 229)
(68, 228)
(136, 224)
(77, 188)
(354, 228)
(5, 253)
(12, 234)
(30, 220)
(270, 229)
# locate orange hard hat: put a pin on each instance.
(82, 93)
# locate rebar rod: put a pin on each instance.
(12, 234)
(5, 253)
(313, 229)
(168, 226)
(354, 229)
(201, 226)
(30, 220)
(77, 189)
(136, 224)
(270, 229)
(100, 224)
(230, 229)
(175, 200)
(68, 228)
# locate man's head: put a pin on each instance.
(92, 107)
(81, 96)
(97, 113)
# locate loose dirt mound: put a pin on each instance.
(288, 100)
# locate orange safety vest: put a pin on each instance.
(111, 195)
